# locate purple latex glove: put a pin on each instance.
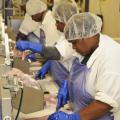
(27, 45)
(63, 95)
(42, 72)
(64, 116)
(31, 57)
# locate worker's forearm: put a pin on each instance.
(94, 111)
(50, 53)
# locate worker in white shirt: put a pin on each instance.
(32, 25)
(61, 51)
(94, 83)
(55, 3)
(23, 5)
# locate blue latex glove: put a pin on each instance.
(42, 72)
(27, 45)
(64, 116)
(63, 95)
(31, 57)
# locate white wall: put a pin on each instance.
(0, 5)
(111, 15)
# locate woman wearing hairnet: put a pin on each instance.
(38, 21)
(94, 82)
(57, 2)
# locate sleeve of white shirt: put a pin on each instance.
(49, 27)
(28, 25)
(108, 89)
(107, 86)
(65, 48)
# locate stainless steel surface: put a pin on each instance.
(5, 96)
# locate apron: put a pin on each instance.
(33, 38)
(79, 97)
(58, 72)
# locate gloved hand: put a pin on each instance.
(64, 116)
(63, 95)
(42, 72)
(31, 57)
(27, 45)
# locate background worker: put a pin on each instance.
(38, 24)
(61, 51)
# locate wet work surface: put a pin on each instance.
(38, 118)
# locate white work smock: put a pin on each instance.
(103, 80)
(48, 26)
(66, 51)
(28, 26)
(50, 29)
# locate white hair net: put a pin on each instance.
(64, 11)
(35, 6)
(82, 25)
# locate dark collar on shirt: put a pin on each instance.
(86, 58)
